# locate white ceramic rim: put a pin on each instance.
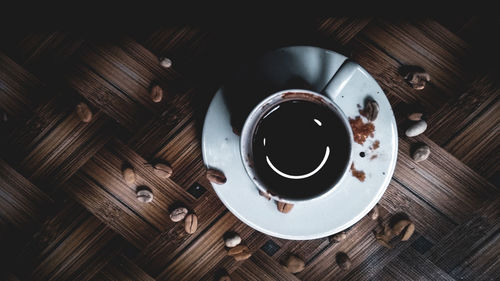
(256, 115)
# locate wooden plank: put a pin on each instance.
(54, 230)
(306, 249)
(454, 249)
(359, 245)
(463, 110)
(184, 153)
(427, 44)
(22, 202)
(341, 29)
(483, 264)
(42, 50)
(124, 72)
(24, 136)
(105, 168)
(178, 43)
(83, 253)
(105, 96)
(122, 269)
(430, 223)
(442, 180)
(261, 267)
(249, 236)
(65, 149)
(202, 254)
(373, 264)
(55, 49)
(410, 265)
(174, 241)
(110, 210)
(22, 210)
(20, 91)
(158, 132)
(477, 145)
(385, 71)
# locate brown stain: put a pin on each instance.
(305, 96)
(361, 130)
(373, 157)
(360, 175)
(375, 145)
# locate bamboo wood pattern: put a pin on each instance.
(67, 214)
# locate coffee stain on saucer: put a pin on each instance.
(360, 175)
(361, 130)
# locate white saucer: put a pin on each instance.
(351, 200)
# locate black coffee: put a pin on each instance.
(300, 149)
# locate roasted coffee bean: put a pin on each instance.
(191, 223)
(421, 153)
(232, 240)
(165, 62)
(83, 112)
(216, 176)
(163, 170)
(178, 214)
(343, 260)
(416, 129)
(294, 264)
(284, 207)
(156, 93)
(129, 176)
(144, 196)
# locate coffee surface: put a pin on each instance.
(300, 149)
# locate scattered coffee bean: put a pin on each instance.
(239, 253)
(399, 226)
(385, 236)
(343, 260)
(371, 110)
(416, 129)
(408, 232)
(416, 116)
(83, 112)
(237, 250)
(225, 278)
(417, 80)
(384, 243)
(191, 223)
(373, 214)
(232, 240)
(242, 256)
(165, 62)
(294, 264)
(178, 214)
(163, 171)
(338, 237)
(265, 195)
(129, 176)
(216, 176)
(284, 207)
(156, 93)
(144, 196)
(421, 153)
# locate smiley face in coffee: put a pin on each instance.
(300, 149)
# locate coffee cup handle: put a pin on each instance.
(340, 79)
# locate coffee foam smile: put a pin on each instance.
(325, 158)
